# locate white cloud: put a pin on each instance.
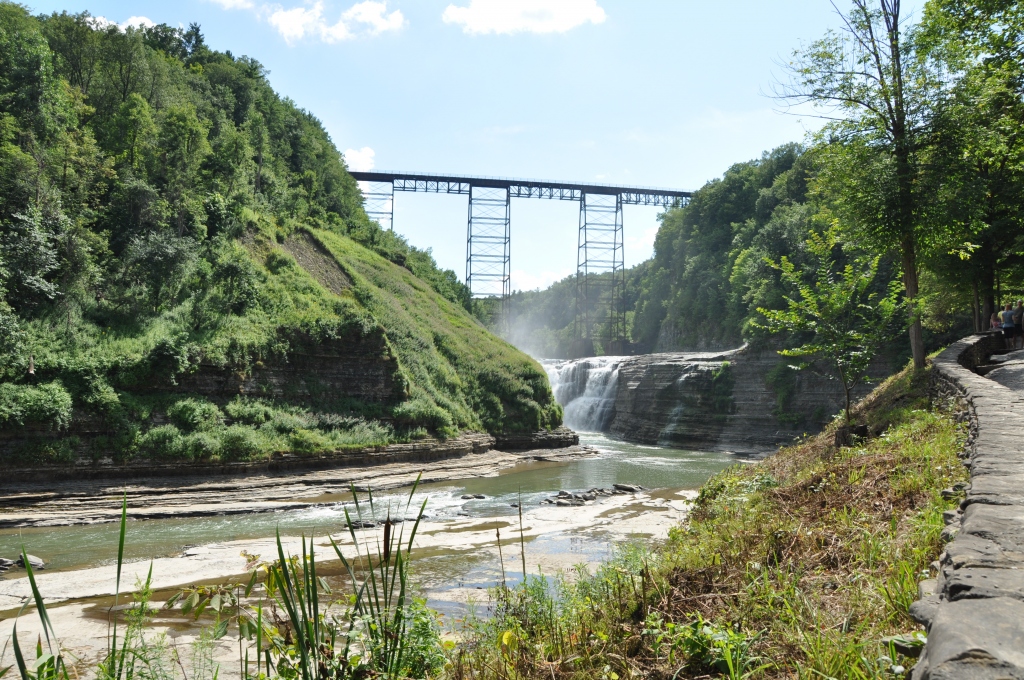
(372, 14)
(298, 22)
(644, 243)
(309, 20)
(234, 4)
(138, 22)
(532, 16)
(102, 22)
(360, 159)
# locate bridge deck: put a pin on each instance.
(523, 188)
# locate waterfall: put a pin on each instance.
(586, 390)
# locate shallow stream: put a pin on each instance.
(73, 547)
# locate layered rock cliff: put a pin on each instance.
(746, 400)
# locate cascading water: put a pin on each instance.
(586, 390)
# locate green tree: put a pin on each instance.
(876, 89)
(976, 165)
(75, 46)
(183, 147)
(841, 309)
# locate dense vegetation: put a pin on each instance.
(920, 161)
(155, 196)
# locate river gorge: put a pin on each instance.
(198, 536)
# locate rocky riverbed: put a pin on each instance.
(455, 561)
(43, 504)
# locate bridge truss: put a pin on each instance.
(600, 266)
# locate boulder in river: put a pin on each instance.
(359, 524)
(467, 497)
(628, 488)
(36, 562)
(479, 496)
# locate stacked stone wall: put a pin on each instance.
(974, 609)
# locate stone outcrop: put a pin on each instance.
(358, 366)
(742, 400)
(974, 610)
(560, 437)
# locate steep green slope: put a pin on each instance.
(186, 271)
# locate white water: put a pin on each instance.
(586, 390)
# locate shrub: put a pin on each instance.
(250, 411)
(239, 442)
(120, 446)
(201, 446)
(48, 404)
(285, 423)
(333, 421)
(61, 451)
(164, 441)
(422, 412)
(195, 414)
(309, 441)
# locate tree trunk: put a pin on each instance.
(911, 288)
(978, 327)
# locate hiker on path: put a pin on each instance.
(1007, 316)
(994, 324)
(1018, 325)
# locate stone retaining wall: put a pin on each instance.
(974, 609)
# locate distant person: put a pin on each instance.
(1018, 325)
(994, 323)
(1007, 317)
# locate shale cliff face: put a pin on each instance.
(745, 400)
(359, 366)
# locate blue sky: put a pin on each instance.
(646, 92)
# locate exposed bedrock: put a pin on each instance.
(745, 400)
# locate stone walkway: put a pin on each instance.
(1009, 370)
(974, 609)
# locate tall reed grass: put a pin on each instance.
(288, 621)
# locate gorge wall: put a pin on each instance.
(745, 400)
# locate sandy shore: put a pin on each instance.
(81, 598)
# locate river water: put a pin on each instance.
(585, 388)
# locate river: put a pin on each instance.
(584, 388)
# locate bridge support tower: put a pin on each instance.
(379, 203)
(600, 276)
(488, 254)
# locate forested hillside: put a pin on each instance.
(165, 216)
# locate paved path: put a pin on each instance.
(1010, 372)
(974, 610)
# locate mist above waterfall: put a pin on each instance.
(586, 390)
